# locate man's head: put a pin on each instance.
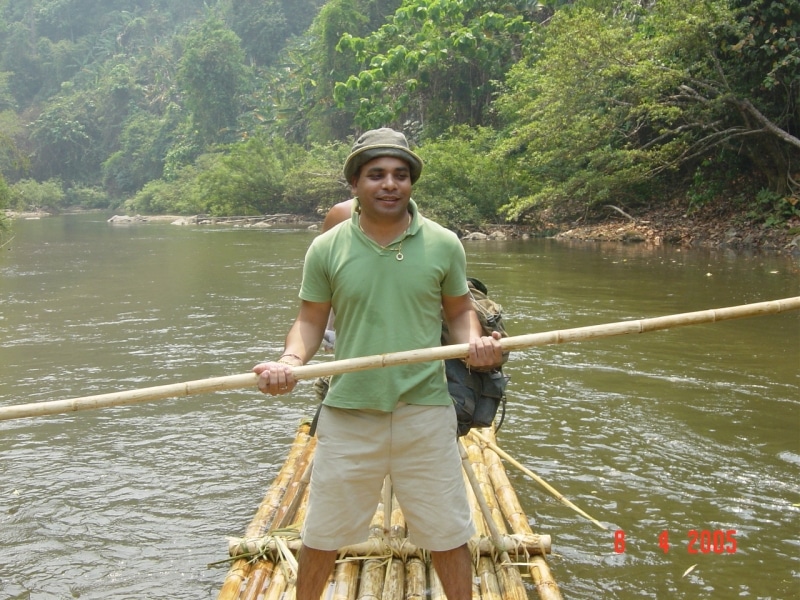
(381, 142)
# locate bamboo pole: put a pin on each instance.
(546, 585)
(395, 583)
(241, 569)
(489, 585)
(338, 367)
(346, 580)
(373, 573)
(537, 479)
(415, 579)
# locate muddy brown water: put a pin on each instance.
(684, 443)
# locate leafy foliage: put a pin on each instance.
(211, 76)
(649, 98)
(433, 62)
(246, 106)
(463, 183)
(31, 195)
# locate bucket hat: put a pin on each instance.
(381, 142)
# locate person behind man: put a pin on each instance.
(388, 273)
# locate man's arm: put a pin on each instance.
(464, 326)
(302, 342)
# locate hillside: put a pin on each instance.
(528, 114)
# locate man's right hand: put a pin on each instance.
(275, 378)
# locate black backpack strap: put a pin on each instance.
(313, 428)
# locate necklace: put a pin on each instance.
(389, 248)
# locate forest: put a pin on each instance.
(524, 111)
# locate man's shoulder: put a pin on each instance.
(440, 231)
(334, 233)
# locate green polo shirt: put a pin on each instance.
(386, 305)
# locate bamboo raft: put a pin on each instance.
(388, 566)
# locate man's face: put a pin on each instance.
(383, 188)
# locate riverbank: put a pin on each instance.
(707, 227)
(712, 226)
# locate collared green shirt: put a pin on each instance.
(386, 305)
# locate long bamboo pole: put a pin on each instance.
(560, 497)
(338, 367)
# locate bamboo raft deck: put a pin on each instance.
(387, 566)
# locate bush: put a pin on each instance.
(315, 182)
(87, 197)
(463, 183)
(31, 195)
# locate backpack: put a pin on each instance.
(478, 393)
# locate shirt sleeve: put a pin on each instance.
(316, 284)
(455, 279)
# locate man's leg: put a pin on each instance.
(454, 568)
(313, 569)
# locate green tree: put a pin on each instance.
(13, 162)
(265, 26)
(648, 97)
(464, 184)
(65, 141)
(144, 143)
(758, 76)
(247, 179)
(301, 87)
(28, 194)
(434, 62)
(5, 200)
(314, 180)
(212, 78)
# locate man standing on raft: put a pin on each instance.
(388, 273)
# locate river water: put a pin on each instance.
(658, 435)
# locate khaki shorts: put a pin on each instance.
(356, 449)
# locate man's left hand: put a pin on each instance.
(485, 352)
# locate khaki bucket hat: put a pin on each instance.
(381, 142)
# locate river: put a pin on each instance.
(658, 436)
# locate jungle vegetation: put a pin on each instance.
(519, 108)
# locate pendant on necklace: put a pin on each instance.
(399, 255)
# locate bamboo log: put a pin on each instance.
(394, 585)
(387, 494)
(299, 452)
(415, 579)
(507, 576)
(286, 514)
(480, 467)
(546, 585)
(373, 573)
(481, 529)
(276, 589)
(259, 577)
(232, 382)
(436, 587)
(346, 581)
(397, 521)
(240, 570)
(490, 586)
(481, 498)
(510, 580)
